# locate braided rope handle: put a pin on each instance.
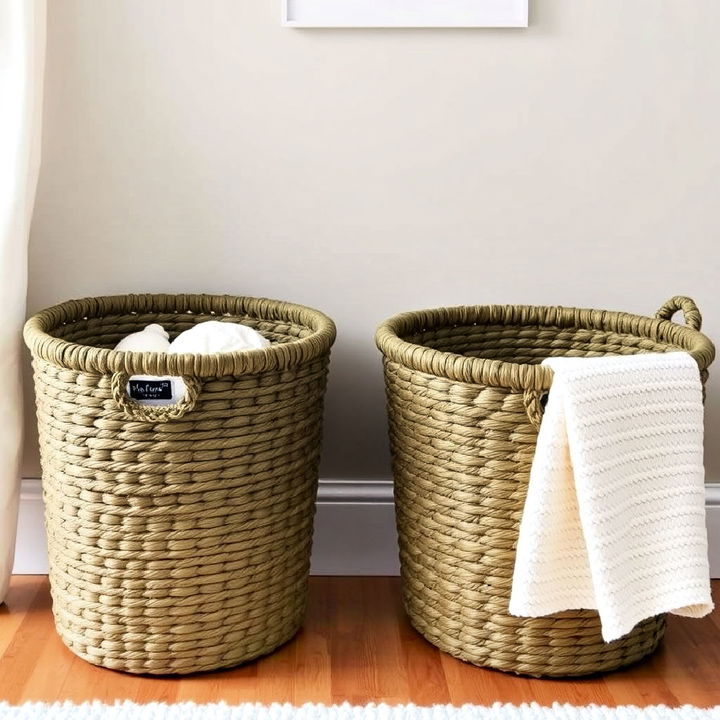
(692, 317)
(691, 314)
(145, 413)
(534, 402)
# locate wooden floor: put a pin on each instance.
(357, 647)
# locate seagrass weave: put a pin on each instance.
(179, 537)
(465, 394)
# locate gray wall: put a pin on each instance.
(200, 146)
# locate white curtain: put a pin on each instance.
(22, 60)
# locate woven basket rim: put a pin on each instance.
(521, 376)
(85, 358)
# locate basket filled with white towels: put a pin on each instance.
(180, 441)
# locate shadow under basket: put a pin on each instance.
(179, 537)
(465, 392)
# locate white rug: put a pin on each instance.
(191, 711)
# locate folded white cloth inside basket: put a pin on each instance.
(615, 513)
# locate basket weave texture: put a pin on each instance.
(179, 537)
(465, 394)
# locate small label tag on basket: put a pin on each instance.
(150, 389)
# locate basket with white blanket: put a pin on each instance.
(616, 497)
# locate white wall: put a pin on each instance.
(200, 146)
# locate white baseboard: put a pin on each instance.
(354, 529)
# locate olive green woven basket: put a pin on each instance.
(465, 395)
(179, 537)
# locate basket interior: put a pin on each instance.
(532, 344)
(107, 331)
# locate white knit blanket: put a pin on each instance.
(615, 517)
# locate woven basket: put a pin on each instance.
(465, 396)
(179, 537)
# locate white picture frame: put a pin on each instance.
(404, 13)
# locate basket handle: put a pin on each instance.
(133, 410)
(691, 314)
(535, 402)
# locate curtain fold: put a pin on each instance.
(22, 60)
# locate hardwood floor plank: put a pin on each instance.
(644, 683)
(353, 670)
(52, 666)
(357, 646)
(423, 665)
(313, 681)
(470, 684)
(692, 651)
(578, 691)
(158, 689)
(276, 676)
(85, 681)
(313, 669)
(28, 641)
(13, 610)
(229, 686)
(232, 686)
(382, 633)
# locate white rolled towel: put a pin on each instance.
(153, 338)
(213, 336)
